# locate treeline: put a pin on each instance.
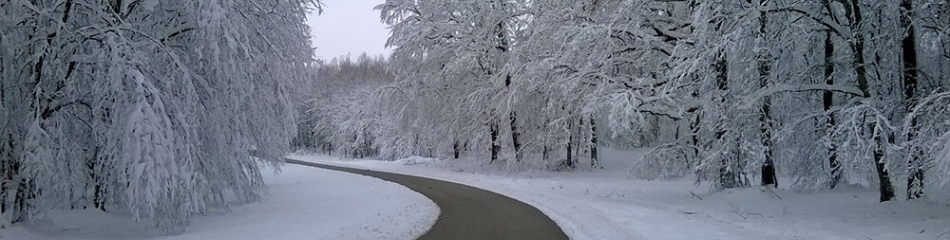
(339, 117)
(156, 109)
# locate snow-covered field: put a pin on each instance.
(608, 204)
(303, 203)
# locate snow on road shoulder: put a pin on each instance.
(606, 204)
(303, 203)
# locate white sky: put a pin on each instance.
(348, 26)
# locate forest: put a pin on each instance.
(737, 93)
(146, 107)
(165, 109)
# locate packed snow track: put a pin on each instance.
(469, 212)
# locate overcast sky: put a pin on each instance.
(348, 26)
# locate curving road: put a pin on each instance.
(468, 212)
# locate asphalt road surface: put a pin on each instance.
(468, 212)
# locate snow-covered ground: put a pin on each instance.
(608, 204)
(303, 203)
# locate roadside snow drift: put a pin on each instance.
(303, 203)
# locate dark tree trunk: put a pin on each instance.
(513, 118)
(768, 174)
(593, 144)
(765, 119)
(545, 149)
(98, 192)
(493, 133)
(887, 189)
(7, 168)
(456, 148)
(578, 134)
(569, 162)
(694, 133)
(544, 154)
(21, 205)
(915, 168)
(6, 179)
(3, 196)
(98, 199)
(727, 172)
(828, 102)
(853, 12)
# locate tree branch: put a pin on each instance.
(761, 93)
(49, 111)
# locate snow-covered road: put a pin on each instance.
(469, 213)
(608, 204)
(303, 203)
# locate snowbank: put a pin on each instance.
(607, 204)
(303, 203)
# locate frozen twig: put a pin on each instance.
(942, 233)
(695, 196)
(735, 209)
(773, 192)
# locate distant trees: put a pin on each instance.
(157, 108)
(343, 113)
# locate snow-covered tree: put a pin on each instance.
(157, 108)
(345, 117)
(735, 92)
(452, 54)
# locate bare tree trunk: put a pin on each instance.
(694, 133)
(765, 119)
(94, 168)
(720, 66)
(493, 133)
(513, 118)
(828, 101)
(501, 32)
(21, 205)
(915, 168)
(593, 143)
(456, 149)
(545, 149)
(853, 12)
(578, 135)
(98, 199)
(727, 172)
(860, 65)
(544, 154)
(569, 162)
(887, 189)
(6, 170)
